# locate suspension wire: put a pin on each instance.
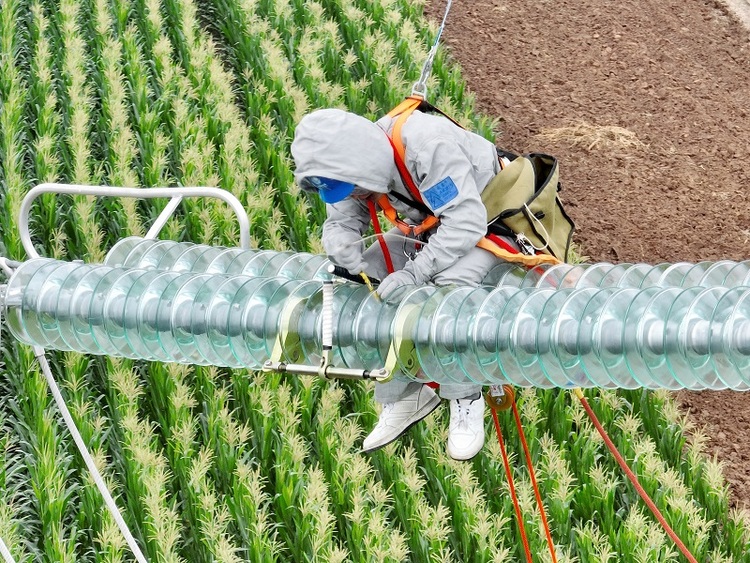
(633, 478)
(88, 460)
(8, 266)
(420, 87)
(5, 552)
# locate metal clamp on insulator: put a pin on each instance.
(287, 338)
(287, 342)
(402, 353)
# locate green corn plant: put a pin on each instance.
(223, 433)
(597, 496)
(311, 391)
(212, 87)
(227, 438)
(151, 135)
(15, 514)
(77, 129)
(84, 406)
(114, 126)
(252, 39)
(320, 59)
(361, 503)
(315, 510)
(13, 93)
(173, 394)
(109, 544)
(591, 545)
(555, 408)
(673, 427)
(256, 403)
(669, 427)
(585, 445)
(455, 484)
(251, 507)
(737, 530)
(213, 539)
(53, 490)
(532, 520)
(560, 486)
(144, 467)
(495, 482)
(46, 141)
(486, 530)
(380, 542)
(397, 468)
(640, 541)
(301, 490)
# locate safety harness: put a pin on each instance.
(491, 243)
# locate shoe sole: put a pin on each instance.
(431, 408)
(466, 458)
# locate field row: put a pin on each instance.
(227, 465)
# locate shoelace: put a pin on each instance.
(462, 420)
(386, 409)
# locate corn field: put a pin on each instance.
(220, 465)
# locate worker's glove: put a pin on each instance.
(408, 276)
(349, 257)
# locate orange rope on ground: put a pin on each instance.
(633, 478)
(538, 496)
(512, 487)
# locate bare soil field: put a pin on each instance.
(647, 106)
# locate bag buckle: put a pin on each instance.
(525, 244)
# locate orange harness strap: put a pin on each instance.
(392, 215)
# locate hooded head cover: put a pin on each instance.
(338, 145)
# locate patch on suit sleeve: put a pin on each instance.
(441, 193)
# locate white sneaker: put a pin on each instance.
(396, 418)
(466, 430)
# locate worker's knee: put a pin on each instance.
(468, 270)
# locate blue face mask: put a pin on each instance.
(328, 189)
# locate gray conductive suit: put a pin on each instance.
(449, 165)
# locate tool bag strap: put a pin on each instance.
(529, 260)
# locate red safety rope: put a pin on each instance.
(512, 487)
(379, 234)
(538, 496)
(633, 479)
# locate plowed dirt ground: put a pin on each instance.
(647, 106)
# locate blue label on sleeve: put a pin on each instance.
(441, 193)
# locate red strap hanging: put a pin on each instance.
(379, 234)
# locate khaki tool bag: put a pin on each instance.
(522, 203)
